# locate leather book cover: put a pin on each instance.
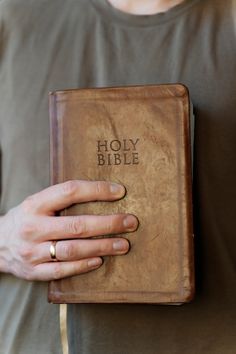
(138, 136)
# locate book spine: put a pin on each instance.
(53, 139)
(56, 139)
(189, 274)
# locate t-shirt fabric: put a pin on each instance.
(47, 45)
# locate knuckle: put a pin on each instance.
(28, 276)
(28, 205)
(80, 267)
(27, 229)
(70, 188)
(67, 251)
(26, 253)
(109, 225)
(99, 188)
(76, 226)
(105, 247)
(57, 271)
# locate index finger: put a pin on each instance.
(65, 194)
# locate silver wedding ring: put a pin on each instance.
(53, 250)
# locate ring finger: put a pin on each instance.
(72, 250)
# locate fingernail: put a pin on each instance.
(130, 223)
(95, 262)
(120, 245)
(117, 189)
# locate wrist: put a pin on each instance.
(3, 248)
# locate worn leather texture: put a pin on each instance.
(140, 137)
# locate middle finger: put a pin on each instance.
(83, 226)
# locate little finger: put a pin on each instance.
(59, 270)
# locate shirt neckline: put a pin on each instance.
(110, 12)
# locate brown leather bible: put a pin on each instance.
(138, 136)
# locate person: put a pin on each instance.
(54, 44)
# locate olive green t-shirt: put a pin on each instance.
(57, 44)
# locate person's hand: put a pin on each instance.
(28, 231)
